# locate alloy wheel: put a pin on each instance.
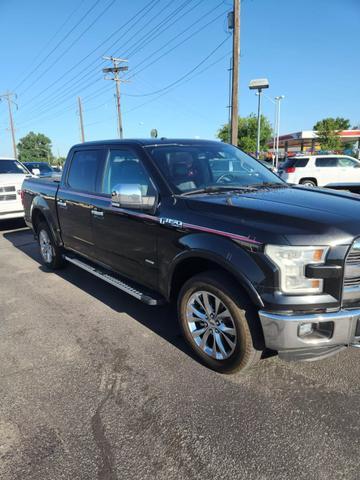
(46, 249)
(211, 325)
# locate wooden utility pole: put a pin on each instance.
(8, 96)
(235, 74)
(115, 70)
(81, 121)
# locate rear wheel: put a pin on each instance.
(50, 252)
(308, 183)
(219, 323)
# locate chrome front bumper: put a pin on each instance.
(281, 333)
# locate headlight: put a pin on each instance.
(292, 262)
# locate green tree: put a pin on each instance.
(327, 131)
(247, 133)
(35, 147)
(58, 161)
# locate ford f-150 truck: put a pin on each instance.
(255, 265)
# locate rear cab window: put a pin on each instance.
(84, 170)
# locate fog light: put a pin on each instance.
(316, 332)
(306, 329)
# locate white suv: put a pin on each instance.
(321, 170)
(12, 174)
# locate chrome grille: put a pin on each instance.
(7, 189)
(5, 198)
(352, 266)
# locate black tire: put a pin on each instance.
(56, 261)
(308, 182)
(249, 342)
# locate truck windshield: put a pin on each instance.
(193, 167)
(12, 166)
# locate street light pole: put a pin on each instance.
(259, 84)
(278, 101)
(258, 124)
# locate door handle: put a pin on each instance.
(62, 203)
(97, 213)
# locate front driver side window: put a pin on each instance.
(124, 167)
(346, 162)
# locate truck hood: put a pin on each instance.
(294, 215)
(12, 179)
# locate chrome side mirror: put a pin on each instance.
(130, 196)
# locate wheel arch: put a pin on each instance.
(312, 179)
(40, 211)
(189, 264)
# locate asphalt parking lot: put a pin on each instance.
(95, 385)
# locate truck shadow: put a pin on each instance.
(14, 224)
(161, 320)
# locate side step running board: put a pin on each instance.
(121, 285)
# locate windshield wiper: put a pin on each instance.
(271, 185)
(219, 188)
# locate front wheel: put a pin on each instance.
(50, 252)
(219, 323)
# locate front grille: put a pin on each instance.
(352, 266)
(5, 198)
(7, 189)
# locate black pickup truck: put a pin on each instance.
(255, 265)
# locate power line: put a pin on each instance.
(60, 42)
(49, 42)
(64, 95)
(93, 96)
(57, 59)
(149, 36)
(189, 37)
(146, 9)
(181, 83)
(184, 76)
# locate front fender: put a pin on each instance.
(230, 256)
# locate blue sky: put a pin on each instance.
(51, 52)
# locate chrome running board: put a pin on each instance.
(121, 285)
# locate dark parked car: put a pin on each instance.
(254, 264)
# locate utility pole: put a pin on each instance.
(115, 70)
(8, 96)
(235, 73)
(81, 121)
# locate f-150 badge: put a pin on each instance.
(171, 223)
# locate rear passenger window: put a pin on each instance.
(326, 162)
(83, 170)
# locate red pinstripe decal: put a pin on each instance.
(222, 233)
(157, 220)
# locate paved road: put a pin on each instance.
(94, 385)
